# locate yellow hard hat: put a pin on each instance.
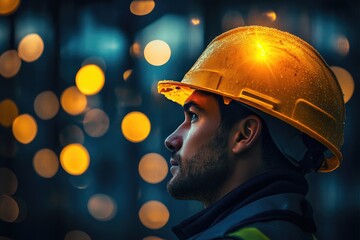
(275, 73)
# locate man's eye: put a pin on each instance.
(193, 116)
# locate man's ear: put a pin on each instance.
(245, 133)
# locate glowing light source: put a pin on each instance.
(195, 21)
(77, 235)
(8, 182)
(346, 82)
(24, 128)
(46, 163)
(46, 105)
(90, 79)
(271, 15)
(127, 74)
(96, 122)
(157, 52)
(8, 6)
(153, 168)
(342, 45)
(8, 112)
(142, 7)
(73, 101)
(135, 126)
(154, 215)
(74, 159)
(102, 207)
(135, 49)
(10, 63)
(31, 47)
(9, 209)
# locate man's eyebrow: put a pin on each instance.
(190, 104)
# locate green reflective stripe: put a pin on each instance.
(250, 233)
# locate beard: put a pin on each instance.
(201, 176)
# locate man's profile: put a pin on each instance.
(262, 109)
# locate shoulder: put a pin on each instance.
(271, 230)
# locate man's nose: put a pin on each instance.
(174, 141)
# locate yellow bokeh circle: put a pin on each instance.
(10, 63)
(136, 126)
(90, 79)
(75, 159)
(31, 47)
(141, 8)
(73, 101)
(157, 52)
(153, 168)
(154, 214)
(24, 128)
(8, 6)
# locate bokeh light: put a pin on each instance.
(8, 182)
(342, 45)
(135, 126)
(195, 21)
(271, 15)
(46, 105)
(77, 235)
(24, 128)
(8, 6)
(346, 82)
(153, 168)
(154, 215)
(157, 52)
(142, 7)
(8, 112)
(9, 209)
(135, 50)
(127, 74)
(75, 159)
(95, 60)
(73, 101)
(71, 134)
(102, 207)
(96, 122)
(10, 63)
(46, 163)
(90, 79)
(31, 47)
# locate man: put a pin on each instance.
(262, 109)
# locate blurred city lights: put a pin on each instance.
(75, 159)
(135, 126)
(71, 134)
(154, 214)
(342, 45)
(8, 182)
(9, 209)
(157, 52)
(135, 49)
(153, 168)
(346, 82)
(10, 63)
(8, 6)
(90, 79)
(8, 112)
(127, 74)
(46, 163)
(102, 207)
(96, 122)
(73, 101)
(46, 105)
(77, 235)
(195, 21)
(31, 47)
(24, 128)
(142, 7)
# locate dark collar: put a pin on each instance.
(266, 184)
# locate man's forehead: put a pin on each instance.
(201, 99)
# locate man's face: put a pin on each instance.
(199, 160)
